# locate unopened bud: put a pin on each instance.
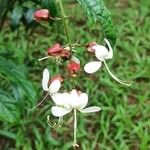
(59, 51)
(56, 48)
(41, 15)
(73, 67)
(90, 45)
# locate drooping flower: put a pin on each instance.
(54, 86)
(41, 15)
(51, 86)
(66, 102)
(102, 54)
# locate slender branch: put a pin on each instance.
(65, 22)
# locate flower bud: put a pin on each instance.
(73, 68)
(41, 15)
(90, 45)
(56, 48)
(59, 51)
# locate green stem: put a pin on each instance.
(65, 22)
(75, 129)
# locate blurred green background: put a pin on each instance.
(124, 121)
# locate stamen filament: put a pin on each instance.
(44, 58)
(55, 125)
(127, 83)
(40, 102)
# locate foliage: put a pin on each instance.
(124, 120)
(96, 11)
(22, 11)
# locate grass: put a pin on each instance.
(123, 123)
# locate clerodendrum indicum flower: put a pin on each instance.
(102, 53)
(54, 86)
(66, 102)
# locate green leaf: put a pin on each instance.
(8, 108)
(15, 73)
(16, 16)
(28, 15)
(96, 11)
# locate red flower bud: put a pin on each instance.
(89, 47)
(41, 15)
(58, 50)
(73, 67)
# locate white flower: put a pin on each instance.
(102, 53)
(66, 102)
(54, 86)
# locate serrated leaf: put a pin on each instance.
(8, 108)
(96, 11)
(16, 74)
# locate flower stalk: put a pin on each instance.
(65, 22)
(75, 129)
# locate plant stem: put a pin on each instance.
(75, 129)
(65, 22)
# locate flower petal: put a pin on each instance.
(74, 98)
(110, 53)
(54, 86)
(45, 79)
(91, 109)
(92, 67)
(83, 100)
(59, 111)
(61, 99)
(100, 52)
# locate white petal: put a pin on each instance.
(92, 67)
(83, 100)
(100, 52)
(110, 53)
(74, 98)
(59, 111)
(45, 79)
(91, 109)
(54, 86)
(62, 99)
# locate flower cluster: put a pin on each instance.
(73, 100)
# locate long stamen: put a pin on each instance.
(127, 83)
(40, 102)
(55, 125)
(44, 58)
(75, 129)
